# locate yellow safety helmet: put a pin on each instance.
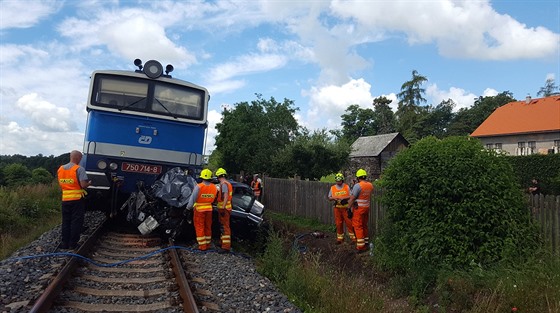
(339, 177)
(221, 172)
(206, 174)
(361, 173)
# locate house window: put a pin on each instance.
(498, 146)
(532, 147)
(557, 143)
(489, 146)
(521, 150)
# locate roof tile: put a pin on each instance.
(536, 115)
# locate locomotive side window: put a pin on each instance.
(122, 94)
(178, 102)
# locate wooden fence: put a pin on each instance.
(546, 211)
(309, 199)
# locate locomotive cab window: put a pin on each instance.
(177, 102)
(122, 94)
(135, 96)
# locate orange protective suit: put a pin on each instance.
(202, 216)
(361, 215)
(339, 193)
(224, 214)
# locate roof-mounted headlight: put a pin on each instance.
(153, 69)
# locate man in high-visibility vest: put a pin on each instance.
(361, 194)
(256, 185)
(224, 208)
(340, 194)
(203, 195)
(73, 180)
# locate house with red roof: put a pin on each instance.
(523, 127)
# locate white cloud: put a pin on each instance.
(214, 117)
(328, 103)
(490, 92)
(461, 29)
(130, 34)
(15, 139)
(41, 100)
(141, 37)
(461, 97)
(46, 116)
(224, 86)
(247, 64)
(23, 14)
(220, 77)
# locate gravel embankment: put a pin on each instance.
(232, 279)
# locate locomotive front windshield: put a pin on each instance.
(148, 96)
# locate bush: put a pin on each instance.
(41, 176)
(16, 175)
(452, 204)
(545, 168)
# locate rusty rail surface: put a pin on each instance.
(189, 303)
(44, 302)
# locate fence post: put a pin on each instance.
(296, 191)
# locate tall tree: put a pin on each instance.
(434, 121)
(383, 116)
(357, 122)
(251, 133)
(466, 120)
(410, 99)
(549, 88)
(311, 156)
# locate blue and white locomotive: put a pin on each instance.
(140, 124)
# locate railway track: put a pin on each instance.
(119, 272)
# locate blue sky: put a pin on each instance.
(324, 55)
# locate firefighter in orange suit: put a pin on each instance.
(224, 208)
(256, 185)
(340, 194)
(73, 180)
(203, 195)
(361, 194)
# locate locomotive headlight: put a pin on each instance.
(101, 165)
(153, 69)
(113, 166)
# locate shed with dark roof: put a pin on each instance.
(372, 153)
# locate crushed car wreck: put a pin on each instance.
(161, 206)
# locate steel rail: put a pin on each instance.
(45, 301)
(189, 303)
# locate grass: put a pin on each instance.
(299, 222)
(313, 287)
(26, 212)
(533, 286)
(530, 287)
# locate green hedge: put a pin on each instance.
(453, 204)
(545, 168)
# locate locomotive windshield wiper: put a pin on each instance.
(163, 106)
(131, 104)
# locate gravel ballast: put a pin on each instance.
(232, 279)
